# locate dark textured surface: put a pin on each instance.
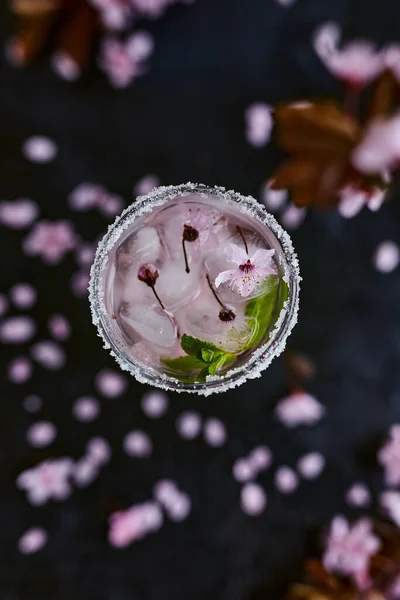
(184, 121)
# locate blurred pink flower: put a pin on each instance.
(387, 256)
(273, 199)
(358, 495)
(286, 480)
(86, 409)
(85, 471)
(50, 240)
(137, 444)
(41, 434)
(124, 61)
(154, 404)
(18, 214)
(50, 479)
(32, 540)
(19, 369)
(379, 149)
(146, 185)
(133, 524)
(253, 499)
(65, 66)
(352, 200)
(178, 506)
(110, 383)
(259, 123)
(250, 271)
(356, 63)
(326, 39)
(390, 502)
(188, 424)
(23, 295)
(348, 549)
(86, 196)
(49, 355)
(310, 466)
(39, 149)
(292, 216)
(59, 327)
(299, 408)
(98, 450)
(17, 330)
(389, 458)
(260, 458)
(214, 432)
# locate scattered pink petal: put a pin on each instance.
(138, 444)
(259, 123)
(214, 432)
(49, 355)
(356, 64)
(33, 540)
(286, 480)
(242, 470)
(85, 471)
(98, 450)
(145, 185)
(253, 499)
(387, 257)
(260, 459)
(389, 458)
(273, 199)
(59, 327)
(292, 217)
(86, 409)
(17, 330)
(188, 424)
(41, 434)
(178, 508)
(116, 15)
(39, 149)
(87, 196)
(165, 491)
(110, 383)
(124, 61)
(326, 40)
(299, 408)
(50, 240)
(358, 495)
(50, 479)
(19, 370)
(133, 524)
(310, 466)
(18, 214)
(349, 548)
(155, 404)
(65, 66)
(390, 502)
(3, 305)
(32, 403)
(23, 295)
(352, 200)
(80, 283)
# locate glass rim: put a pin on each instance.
(261, 358)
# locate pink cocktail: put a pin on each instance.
(195, 288)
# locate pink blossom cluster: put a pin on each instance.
(124, 61)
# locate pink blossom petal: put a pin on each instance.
(110, 383)
(86, 409)
(153, 516)
(357, 63)
(18, 214)
(310, 466)
(259, 123)
(262, 259)
(99, 450)
(326, 39)
(214, 432)
(299, 408)
(145, 185)
(243, 471)
(59, 327)
(358, 495)
(165, 491)
(50, 240)
(260, 459)
(273, 199)
(19, 370)
(137, 444)
(49, 355)
(33, 540)
(32, 403)
(188, 425)
(39, 149)
(390, 502)
(17, 330)
(253, 499)
(87, 196)
(292, 217)
(236, 254)
(41, 434)
(140, 46)
(352, 200)
(387, 257)
(229, 275)
(85, 472)
(379, 149)
(178, 509)
(23, 295)
(155, 404)
(286, 480)
(65, 66)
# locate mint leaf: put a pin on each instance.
(194, 346)
(264, 308)
(207, 355)
(183, 363)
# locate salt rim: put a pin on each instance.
(262, 357)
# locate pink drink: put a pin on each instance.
(195, 288)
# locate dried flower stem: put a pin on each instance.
(243, 238)
(185, 256)
(214, 292)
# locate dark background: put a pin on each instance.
(185, 121)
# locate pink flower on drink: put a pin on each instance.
(299, 408)
(124, 61)
(390, 502)
(133, 524)
(250, 271)
(389, 457)
(349, 549)
(50, 479)
(379, 149)
(259, 123)
(353, 199)
(50, 240)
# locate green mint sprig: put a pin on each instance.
(263, 308)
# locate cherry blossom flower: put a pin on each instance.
(39, 149)
(259, 123)
(352, 200)
(286, 480)
(110, 384)
(349, 548)
(20, 369)
(133, 524)
(379, 149)
(23, 295)
(41, 434)
(49, 355)
(32, 540)
(17, 330)
(18, 214)
(250, 271)
(387, 256)
(299, 408)
(50, 240)
(389, 458)
(390, 502)
(253, 499)
(358, 495)
(125, 61)
(50, 479)
(111, 205)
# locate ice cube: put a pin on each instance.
(141, 247)
(175, 287)
(149, 323)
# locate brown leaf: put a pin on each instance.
(384, 96)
